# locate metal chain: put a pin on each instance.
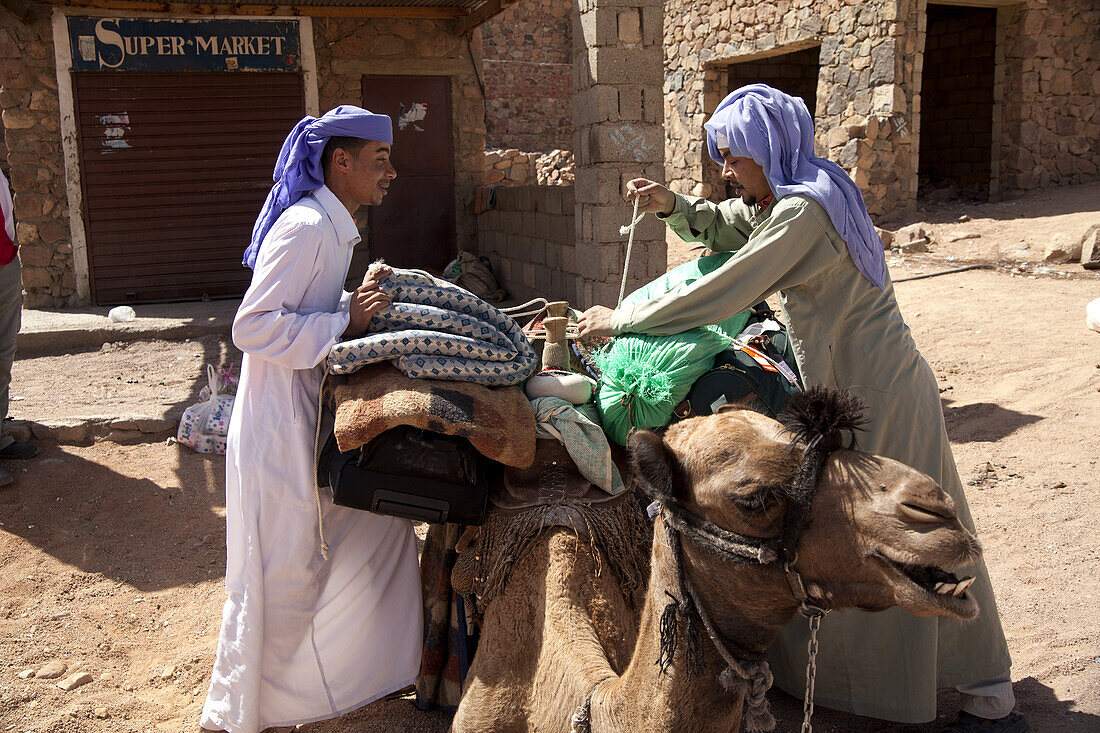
(814, 616)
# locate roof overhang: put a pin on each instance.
(468, 14)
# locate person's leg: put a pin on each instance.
(989, 698)
(11, 311)
(988, 706)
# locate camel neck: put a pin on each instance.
(674, 699)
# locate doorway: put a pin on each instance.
(415, 225)
(956, 126)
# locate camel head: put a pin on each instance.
(878, 533)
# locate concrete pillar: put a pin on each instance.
(618, 134)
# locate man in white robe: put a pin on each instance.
(305, 637)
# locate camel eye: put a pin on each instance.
(757, 503)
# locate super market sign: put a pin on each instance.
(147, 44)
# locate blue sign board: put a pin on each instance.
(151, 44)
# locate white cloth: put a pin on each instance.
(5, 207)
(303, 638)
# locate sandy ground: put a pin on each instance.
(112, 555)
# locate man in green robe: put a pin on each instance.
(800, 229)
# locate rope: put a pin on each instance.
(944, 272)
(628, 229)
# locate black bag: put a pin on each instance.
(759, 378)
(410, 473)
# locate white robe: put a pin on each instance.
(303, 638)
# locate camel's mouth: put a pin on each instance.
(930, 590)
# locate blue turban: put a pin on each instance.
(776, 130)
(298, 170)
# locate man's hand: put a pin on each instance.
(653, 198)
(367, 300)
(596, 321)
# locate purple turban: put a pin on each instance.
(776, 130)
(298, 170)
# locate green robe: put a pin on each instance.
(845, 333)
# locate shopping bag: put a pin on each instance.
(204, 426)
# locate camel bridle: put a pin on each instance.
(745, 669)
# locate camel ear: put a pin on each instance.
(654, 464)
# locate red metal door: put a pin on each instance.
(175, 167)
(415, 225)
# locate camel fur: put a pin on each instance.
(557, 630)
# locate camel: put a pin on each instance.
(877, 534)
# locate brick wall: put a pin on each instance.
(528, 74)
(529, 239)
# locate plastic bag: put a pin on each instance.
(227, 384)
(204, 426)
(643, 378)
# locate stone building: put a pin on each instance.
(976, 99)
(140, 143)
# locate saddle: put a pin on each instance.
(552, 479)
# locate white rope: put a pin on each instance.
(629, 229)
(517, 311)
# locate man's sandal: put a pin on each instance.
(967, 723)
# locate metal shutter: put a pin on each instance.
(174, 170)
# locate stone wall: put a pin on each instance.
(516, 168)
(528, 71)
(868, 101)
(862, 109)
(348, 48)
(528, 237)
(32, 125)
(1051, 120)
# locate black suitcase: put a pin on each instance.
(410, 473)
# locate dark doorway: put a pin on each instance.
(415, 225)
(956, 126)
(794, 73)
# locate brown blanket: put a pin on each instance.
(498, 422)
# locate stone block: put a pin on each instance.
(630, 25)
(619, 65)
(562, 230)
(626, 142)
(569, 259)
(888, 99)
(630, 106)
(598, 27)
(19, 119)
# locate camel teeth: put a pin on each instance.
(944, 588)
(962, 586)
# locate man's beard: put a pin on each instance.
(733, 190)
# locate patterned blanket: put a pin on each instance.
(499, 423)
(434, 329)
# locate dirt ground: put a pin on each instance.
(112, 555)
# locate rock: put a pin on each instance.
(912, 238)
(74, 681)
(887, 237)
(963, 219)
(1092, 315)
(26, 674)
(1060, 250)
(959, 236)
(167, 672)
(51, 670)
(100, 712)
(1090, 248)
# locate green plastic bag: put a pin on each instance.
(643, 377)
